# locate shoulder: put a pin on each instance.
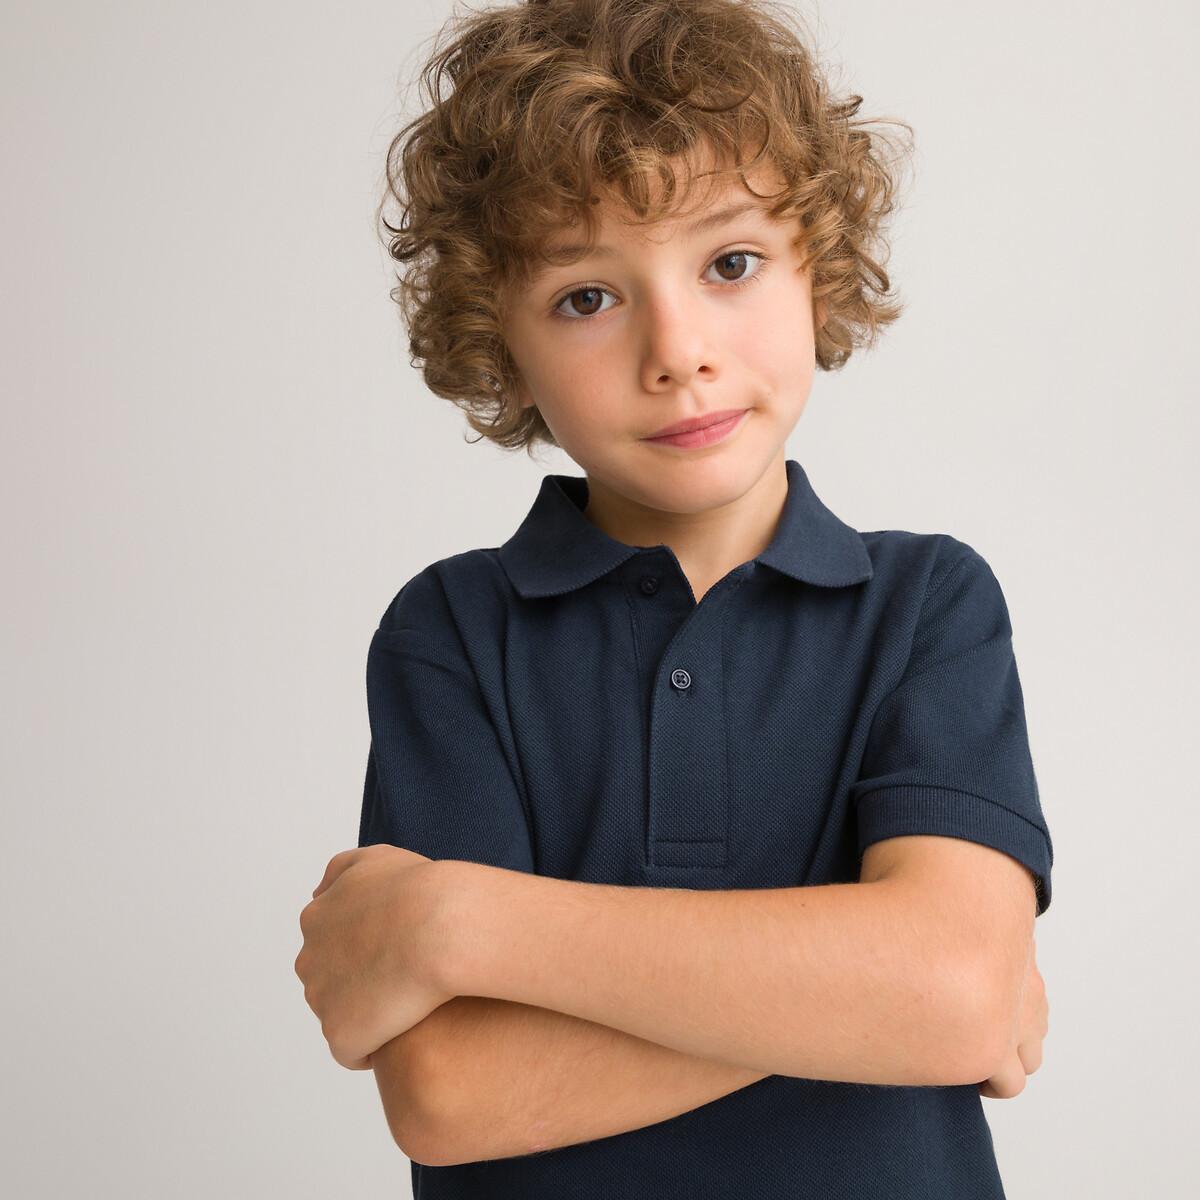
(940, 597)
(934, 591)
(465, 590)
(927, 555)
(921, 564)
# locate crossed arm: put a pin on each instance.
(584, 1010)
(481, 1078)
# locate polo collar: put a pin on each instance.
(557, 549)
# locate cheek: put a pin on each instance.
(573, 393)
(587, 368)
(775, 344)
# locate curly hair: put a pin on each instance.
(533, 109)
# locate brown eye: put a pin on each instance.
(591, 301)
(734, 262)
(736, 257)
(587, 301)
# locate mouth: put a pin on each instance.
(703, 432)
(694, 423)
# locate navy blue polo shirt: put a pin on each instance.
(562, 705)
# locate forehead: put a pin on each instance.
(703, 199)
(567, 243)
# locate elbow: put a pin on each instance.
(427, 1140)
(414, 1134)
(435, 1133)
(431, 1130)
(433, 1139)
(431, 1106)
(420, 1144)
(409, 1103)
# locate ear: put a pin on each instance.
(524, 399)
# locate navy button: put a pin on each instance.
(649, 584)
(680, 678)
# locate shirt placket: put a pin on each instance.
(687, 770)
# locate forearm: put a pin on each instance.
(859, 982)
(498, 1078)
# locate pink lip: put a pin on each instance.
(705, 434)
(696, 423)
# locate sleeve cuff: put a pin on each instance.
(900, 810)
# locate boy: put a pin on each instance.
(701, 846)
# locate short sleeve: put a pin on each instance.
(948, 749)
(437, 780)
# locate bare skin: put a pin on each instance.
(494, 1075)
(1025, 1053)
(487, 1077)
(526, 1079)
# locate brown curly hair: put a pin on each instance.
(532, 110)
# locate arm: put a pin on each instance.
(503, 1078)
(877, 982)
(872, 982)
(497, 1079)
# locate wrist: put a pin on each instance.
(466, 931)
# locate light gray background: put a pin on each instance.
(218, 469)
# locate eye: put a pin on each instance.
(592, 292)
(741, 255)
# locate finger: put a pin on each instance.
(1030, 1054)
(345, 1057)
(1006, 1083)
(337, 864)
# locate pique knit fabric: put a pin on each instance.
(562, 705)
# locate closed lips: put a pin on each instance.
(698, 423)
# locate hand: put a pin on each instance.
(371, 934)
(1025, 1055)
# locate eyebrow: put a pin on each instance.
(717, 217)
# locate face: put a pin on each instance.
(667, 322)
